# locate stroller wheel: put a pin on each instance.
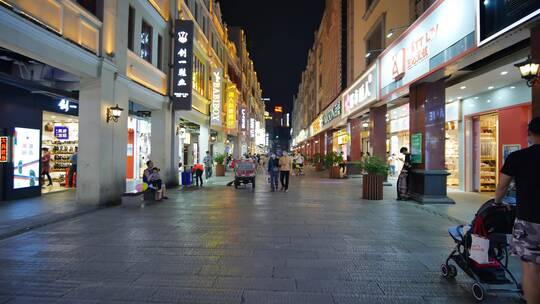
(478, 292)
(448, 271)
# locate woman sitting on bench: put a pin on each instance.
(153, 179)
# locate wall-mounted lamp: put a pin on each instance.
(370, 52)
(392, 31)
(529, 71)
(113, 113)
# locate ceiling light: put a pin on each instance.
(463, 87)
(450, 100)
(486, 2)
(489, 101)
(490, 88)
(390, 34)
(368, 54)
(459, 97)
(512, 87)
(476, 97)
(504, 73)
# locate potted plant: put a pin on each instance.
(317, 161)
(332, 161)
(220, 167)
(376, 170)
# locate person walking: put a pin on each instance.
(46, 165)
(285, 164)
(273, 171)
(73, 170)
(197, 171)
(403, 179)
(300, 164)
(208, 164)
(524, 167)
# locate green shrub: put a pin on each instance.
(220, 158)
(374, 165)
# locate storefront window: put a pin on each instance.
(61, 137)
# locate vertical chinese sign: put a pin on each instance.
(231, 108)
(183, 65)
(3, 149)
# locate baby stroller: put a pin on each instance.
(495, 223)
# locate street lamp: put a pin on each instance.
(113, 113)
(529, 71)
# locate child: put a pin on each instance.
(154, 179)
(154, 182)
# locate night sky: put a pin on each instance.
(279, 33)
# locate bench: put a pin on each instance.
(138, 197)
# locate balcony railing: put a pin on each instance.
(146, 74)
(65, 17)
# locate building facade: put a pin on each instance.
(444, 88)
(95, 79)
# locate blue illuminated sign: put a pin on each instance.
(61, 132)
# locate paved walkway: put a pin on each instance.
(18, 216)
(319, 243)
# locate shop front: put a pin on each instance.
(357, 100)
(415, 67)
(495, 110)
(139, 144)
(40, 134)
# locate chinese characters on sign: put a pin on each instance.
(3, 149)
(252, 127)
(215, 114)
(243, 119)
(231, 107)
(416, 148)
(333, 112)
(361, 93)
(183, 65)
(65, 105)
(61, 132)
(416, 52)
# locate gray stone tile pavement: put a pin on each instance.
(319, 243)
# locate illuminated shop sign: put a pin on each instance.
(278, 109)
(333, 112)
(252, 127)
(361, 93)
(316, 126)
(26, 158)
(65, 105)
(231, 108)
(496, 17)
(215, 114)
(3, 149)
(183, 65)
(243, 119)
(61, 132)
(446, 32)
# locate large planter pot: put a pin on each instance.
(220, 170)
(335, 172)
(372, 187)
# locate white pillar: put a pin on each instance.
(204, 138)
(161, 141)
(101, 168)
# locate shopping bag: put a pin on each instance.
(479, 249)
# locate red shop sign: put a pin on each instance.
(3, 149)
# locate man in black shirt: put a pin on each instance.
(524, 167)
